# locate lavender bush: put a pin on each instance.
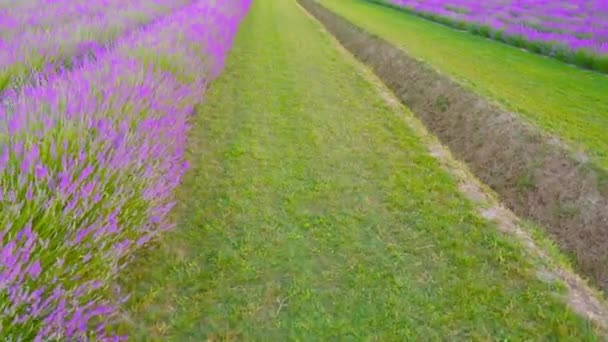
(89, 160)
(575, 31)
(37, 34)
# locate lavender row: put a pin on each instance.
(50, 32)
(89, 161)
(24, 15)
(573, 31)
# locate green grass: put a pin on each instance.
(312, 212)
(562, 99)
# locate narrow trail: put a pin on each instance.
(312, 212)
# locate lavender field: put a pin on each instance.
(574, 31)
(42, 36)
(232, 170)
(91, 154)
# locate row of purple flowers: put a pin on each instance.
(573, 31)
(38, 34)
(89, 160)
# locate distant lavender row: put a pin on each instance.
(561, 28)
(24, 15)
(43, 32)
(89, 161)
(16, 3)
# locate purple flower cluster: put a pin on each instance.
(35, 34)
(89, 160)
(549, 26)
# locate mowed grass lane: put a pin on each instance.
(312, 212)
(564, 100)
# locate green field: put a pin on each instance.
(312, 212)
(562, 99)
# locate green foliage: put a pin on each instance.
(583, 58)
(5, 79)
(601, 63)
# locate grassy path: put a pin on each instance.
(311, 212)
(562, 99)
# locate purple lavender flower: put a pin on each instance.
(90, 160)
(42, 35)
(571, 26)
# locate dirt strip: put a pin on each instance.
(535, 175)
